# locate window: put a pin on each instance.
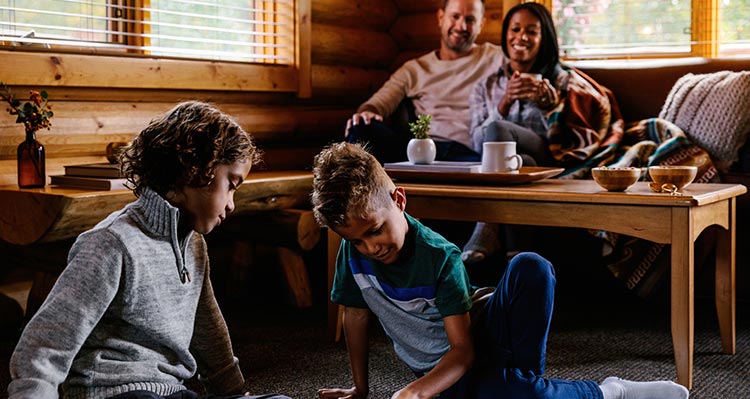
(734, 27)
(228, 30)
(648, 28)
(250, 45)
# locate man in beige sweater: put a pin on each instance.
(438, 84)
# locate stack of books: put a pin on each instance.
(95, 176)
(436, 166)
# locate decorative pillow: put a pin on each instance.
(714, 111)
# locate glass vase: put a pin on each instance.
(31, 164)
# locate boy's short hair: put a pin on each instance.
(183, 147)
(348, 182)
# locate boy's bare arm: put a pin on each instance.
(355, 333)
(454, 364)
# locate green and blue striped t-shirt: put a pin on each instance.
(411, 296)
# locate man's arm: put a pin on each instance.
(355, 332)
(454, 364)
(384, 102)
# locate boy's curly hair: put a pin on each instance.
(348, 182)
(183, 148)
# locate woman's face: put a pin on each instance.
(524, 38)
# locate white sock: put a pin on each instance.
(484, 241)
(617, 388)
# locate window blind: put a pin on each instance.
(228, 30)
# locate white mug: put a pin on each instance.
(534, 76)
(500, 156)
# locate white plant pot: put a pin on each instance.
(421, 151)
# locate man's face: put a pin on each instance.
(380, 235)
(460, 23)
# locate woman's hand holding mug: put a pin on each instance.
(528, 86)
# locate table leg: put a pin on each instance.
(682, 294)
(725, 282)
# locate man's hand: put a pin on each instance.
(340, 393)
(364, 117)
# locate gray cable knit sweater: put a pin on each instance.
(120, 317)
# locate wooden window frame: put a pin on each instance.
(66, 69)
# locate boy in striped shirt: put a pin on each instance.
(414, 282)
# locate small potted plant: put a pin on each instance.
(421, 149)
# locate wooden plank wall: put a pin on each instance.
(354, 47)
(290, 130)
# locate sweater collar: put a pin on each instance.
(157, 215)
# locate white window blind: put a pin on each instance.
(612, 27)
(228, 30)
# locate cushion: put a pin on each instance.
(714, 111)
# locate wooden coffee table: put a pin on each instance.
(637, 212)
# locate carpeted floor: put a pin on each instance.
(594, 334)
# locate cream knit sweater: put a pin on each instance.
(439, 88)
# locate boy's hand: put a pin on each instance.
(340, 393)
(405, 393)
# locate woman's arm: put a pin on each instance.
(479, 109)
(454, 364)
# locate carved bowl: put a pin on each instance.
(616, 179)
(679, 175)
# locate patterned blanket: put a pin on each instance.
(586, 126)
(640, 264)
(587, 130)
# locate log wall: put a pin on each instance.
(93, 108)
(354, 45)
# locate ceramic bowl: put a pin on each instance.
(679, 175)
(616, 179)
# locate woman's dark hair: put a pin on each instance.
(548, 58)
(183, 148)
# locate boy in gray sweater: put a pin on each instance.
(133, 314)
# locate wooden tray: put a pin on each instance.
(525, 175)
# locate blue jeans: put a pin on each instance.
(389, 145)
(511, 340)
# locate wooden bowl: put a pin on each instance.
(616, 179)
(679, 175)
